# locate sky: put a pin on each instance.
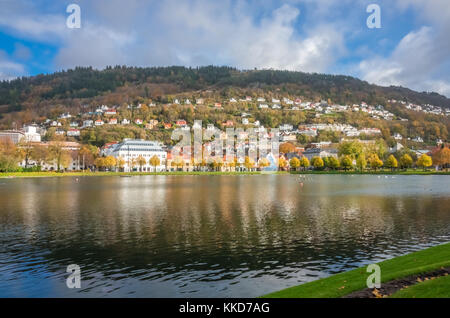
(411, 49)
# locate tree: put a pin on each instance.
(120, 162)
(154, 161)
(317, 162)
(294, 163)
(375, 162)
(248, 163)
(263, 162)
(25, 149)
(304, 162)
(350, 148)
(424, 161)
(333, 163)
(58, 154)
(287, 147)
(9, 157)
(87, 155)
(406, 161)
(110, 162)
(361, 162)
(391, 162)
(100, 163)
(442, 157)
(39, 154)
(346, 162)
(282, 162)
(141, 162)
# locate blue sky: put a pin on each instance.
(327, 36)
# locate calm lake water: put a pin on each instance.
(208, 236)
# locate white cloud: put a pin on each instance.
(421, 55)
(9, 69)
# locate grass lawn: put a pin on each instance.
(344, 283)
(434, 288)
(381, 171)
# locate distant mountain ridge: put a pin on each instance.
(87, 83)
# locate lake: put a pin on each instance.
(208, 236)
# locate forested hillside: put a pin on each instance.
(85, 84)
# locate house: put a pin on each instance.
(275, 101)
(260, 99)
(181, 122)
(199, 101)
(245, 121)
(167, 125)
(418, 139)
(88, 123)
(187, 102)
(228, 123)
(138, 121)
(397, 136)
(111, 112)
(60, 132)
(276, 106)
(113, 121)
(263, 106)
(99, 122)
(218, 105)
(233, 100)
(176, 101)
(320, 152)
(197, 125)
(397, 147)
(73, 132)
(286, 127)
(74, 124)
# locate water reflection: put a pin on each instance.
(206, 236)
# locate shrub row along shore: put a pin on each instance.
(181, 173)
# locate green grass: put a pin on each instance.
(344, 283)
(97, 174)
(384, 172)
(436, 288)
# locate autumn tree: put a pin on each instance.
(424, 161)
(154, 161)
(361, 162)
(58, 154)
(332, 163)
(375, 162)
(391, 162)
(406, 161)
(317, 162)
(9, 156)
(304, 162)
(442, 157)
(346, 162)
(110, 162)
(294, 163)
(141, 162)
(282, 162)
(248, 163)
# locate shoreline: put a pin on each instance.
(49, 174)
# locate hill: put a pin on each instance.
(124, 84)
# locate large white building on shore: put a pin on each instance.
(131, 149)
